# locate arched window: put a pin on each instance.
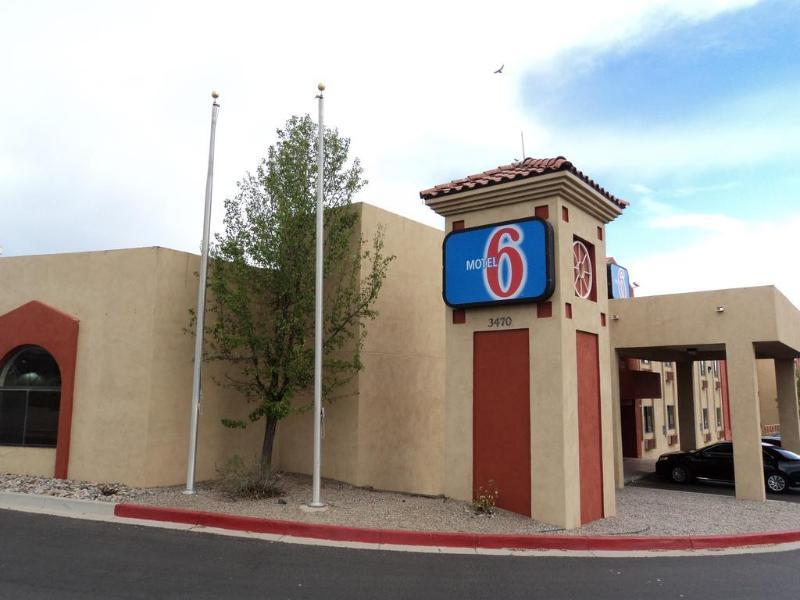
(30, 394)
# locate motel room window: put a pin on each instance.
(715, 366)
(648, 419)
(30, 394)
(719, 417)
(705, 418)
(701, 366)
(670, 416)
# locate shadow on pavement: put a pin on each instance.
(706, 486)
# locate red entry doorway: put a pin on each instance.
(631, 426)
(590, 447)
(501, 433)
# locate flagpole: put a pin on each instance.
(316, 502)
(201, 307)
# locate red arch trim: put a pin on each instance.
(36, 323)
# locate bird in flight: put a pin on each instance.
(500, 70)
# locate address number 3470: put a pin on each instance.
(500, 322)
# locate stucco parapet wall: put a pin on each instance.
(761, 315)
(562, 184)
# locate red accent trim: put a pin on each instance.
(458, 225)
(565, 214)
(543, 212)
(602, 319)
(544, 310)
(38, 324)
(599, 233)
(501, 432)
(452, 540)
(459, 316)
(568, 310)
(590, 428)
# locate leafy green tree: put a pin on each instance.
(261, 305)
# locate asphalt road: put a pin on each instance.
(52, 557)
(709, 487)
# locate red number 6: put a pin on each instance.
(504, 275)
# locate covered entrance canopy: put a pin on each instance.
(735, 325)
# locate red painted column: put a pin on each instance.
(589, 427)
(501, 454)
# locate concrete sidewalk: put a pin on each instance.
(638, 468)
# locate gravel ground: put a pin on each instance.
(640, 511)
(68, 488)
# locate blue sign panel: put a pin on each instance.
(619, 282)
(499, 264)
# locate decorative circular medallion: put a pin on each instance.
(582, 268)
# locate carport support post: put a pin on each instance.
(687, 428)
(745, 421)
(789, 419)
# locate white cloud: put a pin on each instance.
(110, 101)
(735, 253)
(732, 134)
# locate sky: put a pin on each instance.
(687, 109)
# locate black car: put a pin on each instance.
(774, 439)
(781, 467)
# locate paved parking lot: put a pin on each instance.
(719, 488)
(47, 557)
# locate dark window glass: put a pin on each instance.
(31, 367)
(12, 416)
(670, 416)
(42, 423)
(30, 395)
(719, 418)
(726, 449)
(648, 419)
(705, 418)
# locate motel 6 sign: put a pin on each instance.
(502, 263)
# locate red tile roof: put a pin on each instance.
(530, 167)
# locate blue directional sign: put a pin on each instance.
(619, 282)
(501, 263)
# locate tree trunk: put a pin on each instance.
(266, 446)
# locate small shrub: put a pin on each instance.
(246, 479)
(485, 503)
(108, 489)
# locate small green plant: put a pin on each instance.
(485, 502)
(248, 479)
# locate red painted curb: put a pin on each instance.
(453, 540)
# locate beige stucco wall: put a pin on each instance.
(386, 430)
(111, 293)
(767, 392)
(134, 367)
(134, 364)
(29, 461)
(171, 366)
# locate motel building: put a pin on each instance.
(508, 353)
